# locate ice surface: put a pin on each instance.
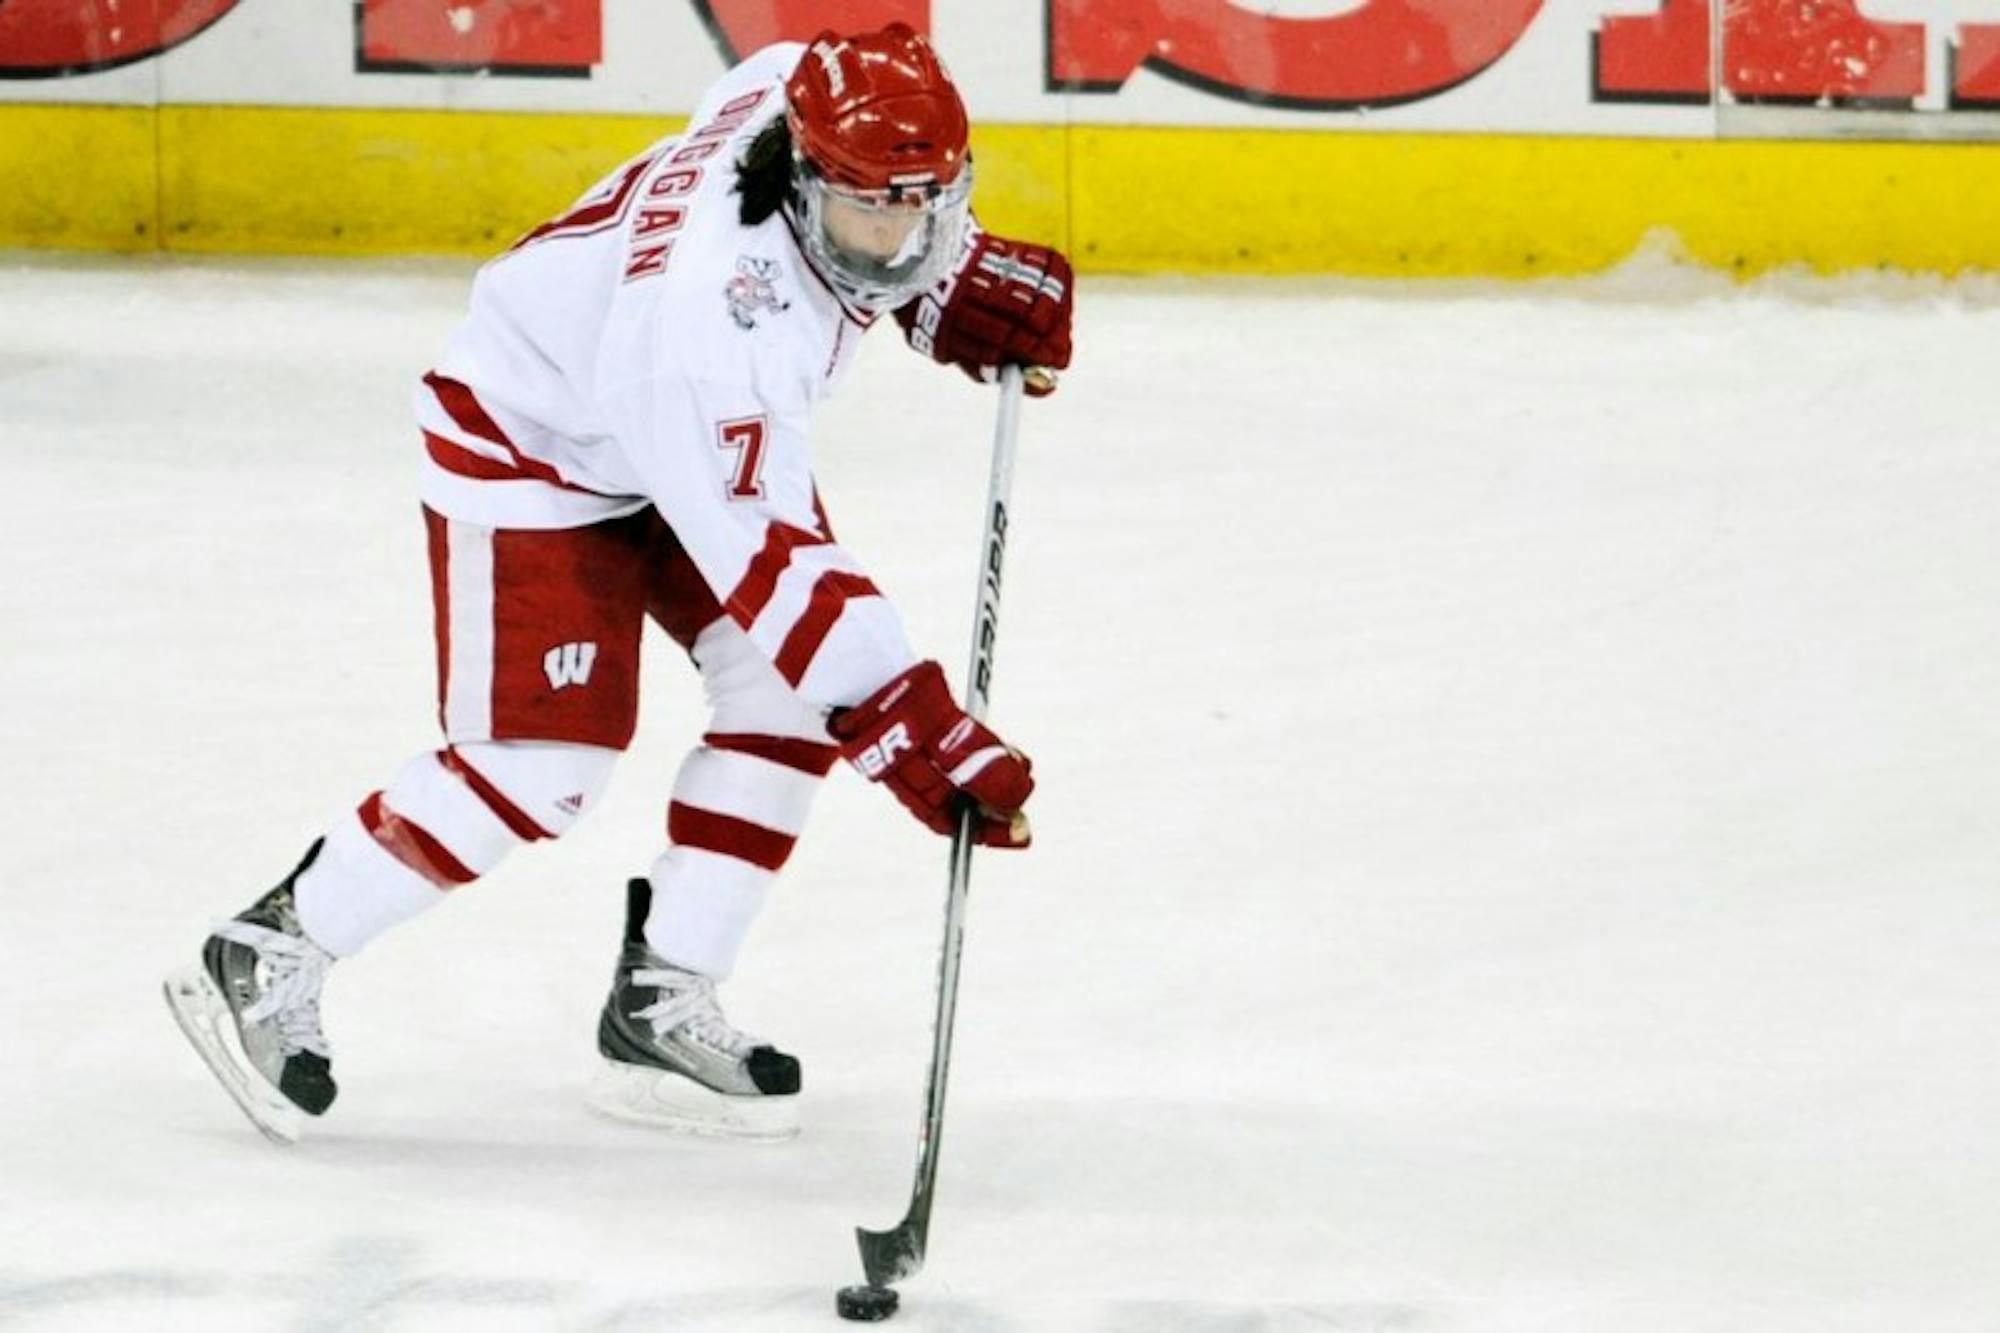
(1516, 847)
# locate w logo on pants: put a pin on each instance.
(569, 664)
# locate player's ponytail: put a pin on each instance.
(764, 175)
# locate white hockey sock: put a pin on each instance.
(736, 816)
(703, 907)
(354, 890)
(445, 820)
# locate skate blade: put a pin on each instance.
(660, 1099)
(205, 1020)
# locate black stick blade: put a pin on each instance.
(890, 1256)
(865, 1305)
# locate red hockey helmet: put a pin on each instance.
(880, 163)
(877, 111)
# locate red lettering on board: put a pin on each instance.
(1786, 51)
(1819, 50)
(48, 39)
(1661, 57)
(548, 37)
(1388, 51)
(739, 27)
(1975, 67)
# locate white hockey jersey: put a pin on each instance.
(648, 348)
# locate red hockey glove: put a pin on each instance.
(1007, 304)
(911, 737)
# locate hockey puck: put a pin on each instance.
(865, 1305)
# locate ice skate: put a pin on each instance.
(671, 1060)
(251, 1009)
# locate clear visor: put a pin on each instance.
(880, 248)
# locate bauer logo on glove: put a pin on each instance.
(874, 760)
(914, 739)
(1006, 303)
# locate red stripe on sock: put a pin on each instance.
(805, 756)
(725, 835)
(412, 845)
(513, 816)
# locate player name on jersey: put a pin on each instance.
(652, 243)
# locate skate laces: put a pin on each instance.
(294, 971)
(687, 1001)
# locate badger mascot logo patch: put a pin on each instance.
(751, 290)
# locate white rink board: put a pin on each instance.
(1512, 66)
(1515, 844)
(659, 56)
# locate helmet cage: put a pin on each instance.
(877, 282)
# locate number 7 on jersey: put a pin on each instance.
(746, 435)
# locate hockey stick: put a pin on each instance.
(890, 1256)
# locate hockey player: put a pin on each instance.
(619, 431)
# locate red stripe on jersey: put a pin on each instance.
(805, 756)
(753, 592)
(462, 462)
(463, 408)
(725, 835)
(513, 816)
(412, 845)
(829, 598)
